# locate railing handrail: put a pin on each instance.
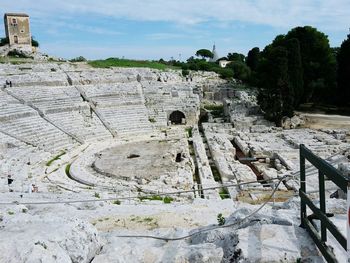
(324, 169)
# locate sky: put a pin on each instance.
(172, 29)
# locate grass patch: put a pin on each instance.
(55, 158)
(166, 199)
(224, 194)
(67, 170)
(116, 202)
(189, 131)
(216, 174)
(128, 63)
(11, 213)
(97, 195)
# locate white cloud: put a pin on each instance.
(333, 14)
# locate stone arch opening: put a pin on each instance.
(177, 117)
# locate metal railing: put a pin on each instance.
(320, 213)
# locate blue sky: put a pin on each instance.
(154, 29)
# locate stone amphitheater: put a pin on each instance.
(133, 165)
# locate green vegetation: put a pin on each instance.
(35, 43)
(10, 213)
(204, 53)
(154, 198)
(67, 170)
(166, 199)
(189, 131)
(344, 72)
(216, 110)
(78, 59)
(221, 219)
(127, 63)
(55, 158)
(224, 194)
(97, 195)
(151, 119)
(4, 41)
(216, 174)
(298, 67)
(116, 202)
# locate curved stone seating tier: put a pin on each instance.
(36, 79)
(13, 109)
(114, 89)
(84, 124)
(97, 76)
(39, 132)
(42, 93)
(124, 119)
(61, 105)
(118, 100)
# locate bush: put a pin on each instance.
(225, 73)
(168, 200)
(221, 219)
(185, 72)
(78, 59)
(35, 43)
(4, 41)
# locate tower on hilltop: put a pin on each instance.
(215, 55)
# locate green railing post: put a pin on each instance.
(302, 186)
(322, 205)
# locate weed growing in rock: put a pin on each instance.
(221, 219)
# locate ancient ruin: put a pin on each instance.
(17, 29)
(105, 163)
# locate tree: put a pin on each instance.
(4, 41)
(253, 58)
(343, 77)
(236, 57)
(204, 53)
(240, 69)
(318, 63)
(295, 71)
(274, 87)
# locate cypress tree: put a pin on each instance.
(343, 59)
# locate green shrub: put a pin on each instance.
(189, 131)
(116, 202)
(221, 219)
(97, 195)
(78, 59)
(4, 41)
(225, 73)
(224, 194)
(35, 43)
(168, 200)
(185, 72)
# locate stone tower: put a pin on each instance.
(215, 55)
(17, 29)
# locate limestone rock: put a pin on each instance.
(27, 238)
